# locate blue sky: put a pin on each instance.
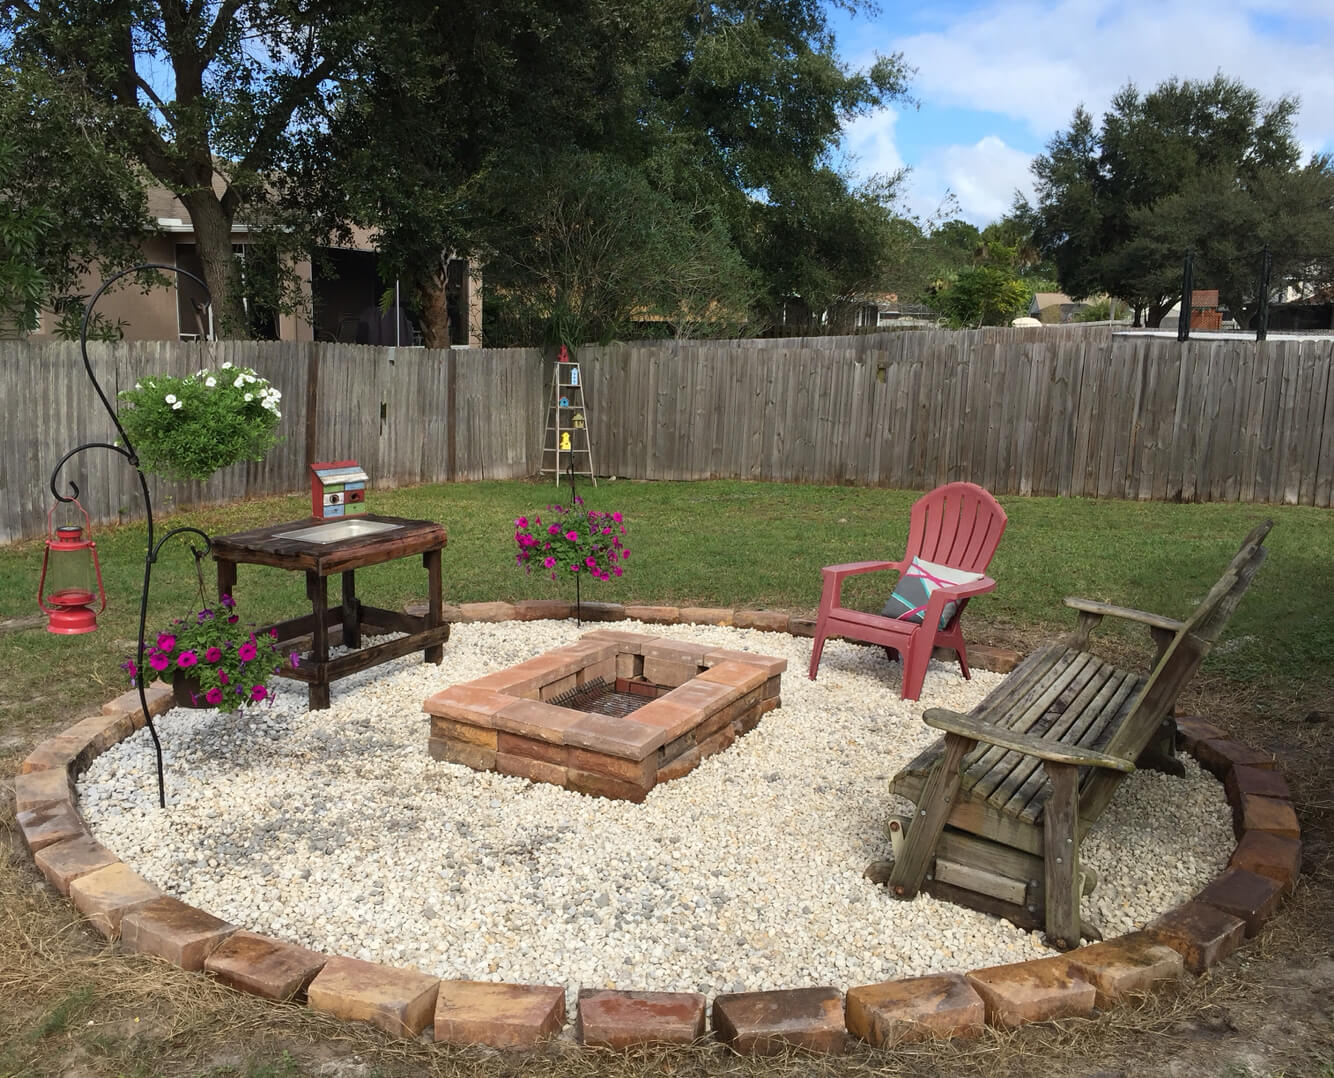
(997, 78)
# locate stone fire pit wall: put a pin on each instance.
(704, 699)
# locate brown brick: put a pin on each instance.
(449, 612)
(682, 765)
(525, 767)
(158, 694)
(1268, 854)
(264, 967)
(602, 612)
(542, 610)
(742, 676)
(628, 665)
(769, 621)
(676, 747)
(1191, 730)
(398, 1001)
(667, 715)
(448, 750)
(1201, 934)
(997, 660)
(498, 1015)
(595, 785)
(707, 615)
(667, 672)
(482, 736)
(769, 665)
(1035, 991)
(626, 641)
(1127, 965)
(598, 671)
(771, 691)
(466, 703)
(1263, 782)
(706, 697)
(57, 752)
(1243, 894)
(653, 615)
(532, 749)
(486, 611)
(1266, 814)
(918, 1008)
(559, 687)
(768, 1023)
(719, 742)
(168, 928)
(676, 651)
(1219, 755)
(64, 862)
(38, 789)
(615, 735)
(637, 772)
(621, 1020)
(535, 719)
(801, 626)
(100, 732)
(43, 827)
(106, 895)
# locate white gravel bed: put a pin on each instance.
(335, 829)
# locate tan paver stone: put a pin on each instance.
(466, 703)
(621, 1020)
(626, 642)
(535, 719)
(742, 676)
(1267, 814)
(653, 615)
(37, 789)
(705, 697)
(674, 651)
(101, 732)
(768, 1023)
(106, 895)
(158, 694)
(447, 750)
(1201, 934)
(801, 626)
(667, 672)
(615, 735)
(682, 765)
(542, 610)
(57, 752)
(50, 824)
(1219, 755)
(1192, 729)
(525, 767)
(398, 1001)
(482, 736)
(595, 785)
(637, 772)
(168, 928)
(1127, 965)
(917, 1008)
(486, 611)
(707, 615)
(768, 621)
(264, 967)
(514, 745)
(769, 664)
(667, 715)
(1243, 894)
(498, 1015)
(986, 657)
(64, 862)
(1263, 782)
(720, 741)
(1267, 854)
(602, 612)
(1036, 991)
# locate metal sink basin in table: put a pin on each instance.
(337, 530)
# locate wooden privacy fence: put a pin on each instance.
(1053, 410)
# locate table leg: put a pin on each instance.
(226, 578)
(351, 611)
(318, 592)
(431, 559)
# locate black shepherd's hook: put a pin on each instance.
(126, 450)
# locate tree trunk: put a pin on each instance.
(213, 240)
(1158, 310)
(433, 307)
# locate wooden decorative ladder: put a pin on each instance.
(565, 446)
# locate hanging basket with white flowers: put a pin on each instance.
(188, 428)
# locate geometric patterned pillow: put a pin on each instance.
(908, 602)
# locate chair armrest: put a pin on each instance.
(965, 591)
(1053, 751)
(838, 572)
(1155, 621)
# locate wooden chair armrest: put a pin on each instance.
(1154, 621)
(1053, 751)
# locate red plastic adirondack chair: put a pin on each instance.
(959, 525)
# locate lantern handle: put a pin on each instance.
(130, 454)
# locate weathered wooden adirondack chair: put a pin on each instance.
(958, 525)
(1005, 798)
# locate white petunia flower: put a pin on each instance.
(249, 397)
(240, 381)
(138, 385)
(227, 366)
(170, 398)
(177, 406)
(210, 381)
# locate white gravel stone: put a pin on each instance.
(336, 830)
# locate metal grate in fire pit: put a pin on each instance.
(600, 698)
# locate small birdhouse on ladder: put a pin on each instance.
(565, 446)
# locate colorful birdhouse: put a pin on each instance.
(565, 402)
(578, 420)
(565, 441)
(337, 489)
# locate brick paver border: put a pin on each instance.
(1195, 936)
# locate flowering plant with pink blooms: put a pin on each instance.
(572, 540)
(230, 663)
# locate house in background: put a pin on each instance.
(341, 289)
(1054, 308)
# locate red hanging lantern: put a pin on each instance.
(71, 562)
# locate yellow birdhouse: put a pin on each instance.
(565, 441)
(578, 421)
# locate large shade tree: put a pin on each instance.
(1203, 165)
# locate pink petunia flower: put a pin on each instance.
(591, 562)
(553, 529)
(258, 693)
(222, 676)
(274, 632)
(165, 641)
(625, 554)
(572, 536)
(547, 563)
(213, 655)
(246, 651)
(214, 695)
(617, 570)
(186, 659)
(158, 661)
(522, 522)
(616, 517)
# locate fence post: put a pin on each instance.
(1266, 270)
(312, 404)
(1187, 287)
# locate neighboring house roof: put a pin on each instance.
(1204, 299)
(1050, 299)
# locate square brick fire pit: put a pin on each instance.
(613, 714)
